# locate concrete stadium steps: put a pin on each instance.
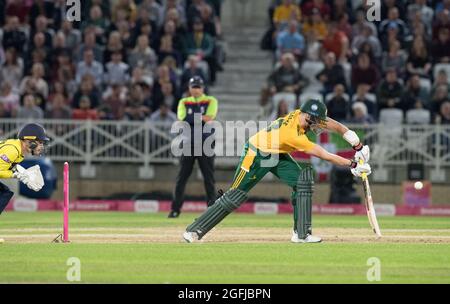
(240, 88)
(240, 82)
(247, 30)
(244, 66)
(233, 112)
(235, 38)
(238, 100)
(249, 55)
(246, 70)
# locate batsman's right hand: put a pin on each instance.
(363, 154)
(361, 169)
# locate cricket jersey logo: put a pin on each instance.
(5, 158)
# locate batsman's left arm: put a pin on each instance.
(335, 126)
(321, 153)
(362, 152)
(356, 168)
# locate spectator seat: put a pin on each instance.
(310, 69)
(441, 66)
(391, 117)
(418, 116)
(331, 96)
(289, 98)
(390, 130)
(309, 95)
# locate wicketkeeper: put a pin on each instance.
(31, 140)
(268, 151)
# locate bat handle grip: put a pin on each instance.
(364, 175)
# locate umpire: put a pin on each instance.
(206, 106)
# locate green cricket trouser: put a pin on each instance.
(259, 164)
(253, 166)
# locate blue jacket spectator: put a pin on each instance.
(291, 41)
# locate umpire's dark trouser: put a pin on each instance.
(206, 165)
(5, 196)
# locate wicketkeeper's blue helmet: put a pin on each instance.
(33, 131)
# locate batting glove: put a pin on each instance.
(360, 169)
(362, 153)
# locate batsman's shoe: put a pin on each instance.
(309, 238)
(173, 214)
(190, 237)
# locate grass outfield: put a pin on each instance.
(147, 248)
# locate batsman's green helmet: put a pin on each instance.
(315, 108)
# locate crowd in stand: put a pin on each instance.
(362, 70)
(125, 59)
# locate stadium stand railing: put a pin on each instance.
(151, 143)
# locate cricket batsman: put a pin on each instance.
(268, 151)
(31, 140)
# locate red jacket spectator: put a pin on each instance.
(336, 42)
(440, 50)
(18, 8)
(85, 112)
(365, 73)
(319, 5)
(442, 21)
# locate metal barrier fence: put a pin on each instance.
(91, 142)
(400, 145)
(147, 143)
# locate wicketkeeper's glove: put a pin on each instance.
(36, 179)
(32, 177)
(21, 174)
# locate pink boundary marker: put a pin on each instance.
(66, 204)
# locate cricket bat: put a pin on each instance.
(369, 206)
